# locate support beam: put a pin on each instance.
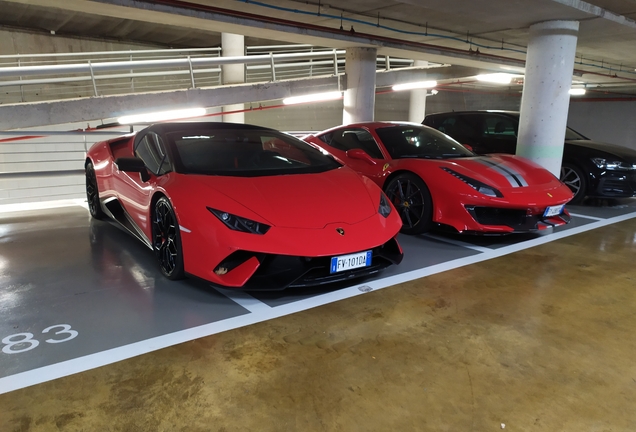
(359, 98)
(598, 11)
(233, 45)
(34, 114)
(417, 100)
(16, 116)
(545, 99)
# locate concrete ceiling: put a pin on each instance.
(444, 31)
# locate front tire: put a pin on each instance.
(412, 200)
(166, 240)
(574, 178)
(92, 193)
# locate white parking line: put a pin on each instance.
(586, 216)
(244, 300)
(263, 312)
(458, 243)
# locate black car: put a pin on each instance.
(589, 168)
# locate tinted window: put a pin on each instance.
(240, 152)
(462, 126)
(447, 125)
(349, 139)
(420, 142)
(153, 152)
(498, 126)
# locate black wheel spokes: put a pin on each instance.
(91, 191)
(405, 215)
(400, 188)
(169, 255)
(408, 190)
(165, 238)
(414, 194)
(409, 201)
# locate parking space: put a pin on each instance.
(78, 293)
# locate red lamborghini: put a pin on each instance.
(432, 179)
(242, 206)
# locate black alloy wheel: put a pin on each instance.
(166, 240)
(412, 200)
(574, 178)
(92, 193)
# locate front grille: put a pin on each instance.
(518, 220)
(278, 272)
(617, 187)
(497, 216)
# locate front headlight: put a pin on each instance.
(613, 165)
(238, 223)
(480, 187)
(385, 206)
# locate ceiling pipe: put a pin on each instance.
(364, 38)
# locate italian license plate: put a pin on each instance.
(351, 261)
(553, 210)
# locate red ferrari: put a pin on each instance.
(242, 206)
(432, 179)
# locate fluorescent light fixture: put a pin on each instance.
(415, 85)
(577, 91)
(316, 97)
(162, 116)
(497, 78)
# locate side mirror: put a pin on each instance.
(361, 155)
(133, 164)
(469, 147)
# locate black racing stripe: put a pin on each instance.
(510, 173)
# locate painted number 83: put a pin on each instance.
(22, 342)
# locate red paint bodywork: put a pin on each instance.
(451, 195)
(303, 211)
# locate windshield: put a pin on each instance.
(245, 152)
(571, 134)
(420, 142)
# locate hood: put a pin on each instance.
(626, 153)
(299, 200)
(503, 171)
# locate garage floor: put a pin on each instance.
(535, 339)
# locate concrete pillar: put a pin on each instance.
(417, 101)
(233, 45)
(545, 99)
(359, 98)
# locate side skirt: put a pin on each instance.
(113, 208)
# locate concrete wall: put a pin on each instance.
(460, 100)
(607, 121)
(320, 116)
(39, 154)
(52, 153)
(388, 107)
